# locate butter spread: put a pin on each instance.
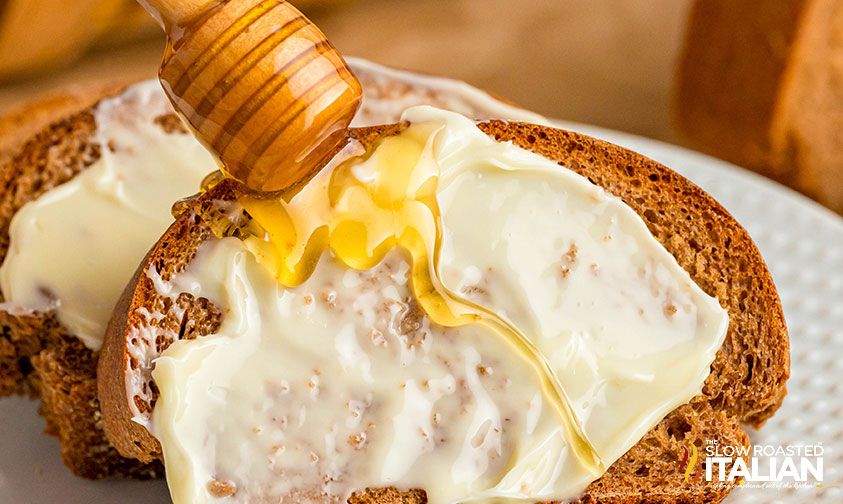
(73, 249)
(338, 378)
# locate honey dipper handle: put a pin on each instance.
(259, 84)
(174, 13)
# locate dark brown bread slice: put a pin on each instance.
(746, 384)
(37, 356)
(47, 142)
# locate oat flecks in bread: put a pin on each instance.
(747, 382)
(759, 86)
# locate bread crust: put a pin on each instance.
(747, 382)
(25, 176)
(19, 124)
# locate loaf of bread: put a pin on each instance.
(747, 380)
(760, 84)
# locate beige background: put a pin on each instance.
(604, 62)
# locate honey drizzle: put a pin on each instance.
(257, 82)
(362, 221)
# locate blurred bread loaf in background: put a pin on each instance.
(755, 82)
(760, 84)
(36, 35)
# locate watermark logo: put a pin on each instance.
(759, 466)
(688, 466)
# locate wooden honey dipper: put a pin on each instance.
(259, 84)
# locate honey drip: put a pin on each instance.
(361, 215)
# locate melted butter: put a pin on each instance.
(361, 209)
(73, 249)
(502, 250)
(341, 384)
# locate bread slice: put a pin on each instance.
(747, 380)
(41, 146)
(37, 355)
(760, 84)
(47, 143)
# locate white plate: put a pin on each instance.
(802, 243)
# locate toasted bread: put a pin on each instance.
(747, 380)
(38, 356)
